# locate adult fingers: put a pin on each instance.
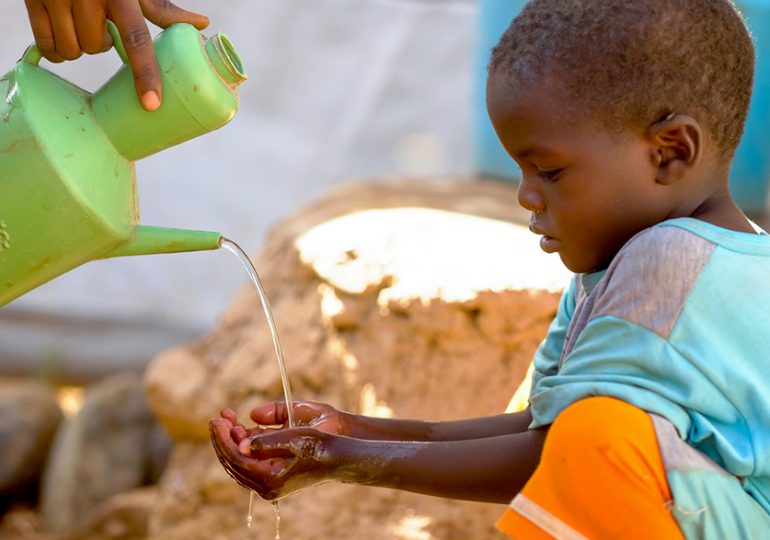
(165, 13)
(91, 25)
(137, 41)
(42, 30)
(64, 32)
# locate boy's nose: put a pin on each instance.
(529, 196)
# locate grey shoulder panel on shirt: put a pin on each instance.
(648, 282)
(677, 454)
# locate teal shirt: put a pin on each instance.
(678, 325)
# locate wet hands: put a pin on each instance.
(271, 458)
(65, 29)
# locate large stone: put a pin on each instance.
(108, 447)
(29, 415)
(413, 299)
(121, 517)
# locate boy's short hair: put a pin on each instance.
(631, 63)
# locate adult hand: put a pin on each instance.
(65, 29)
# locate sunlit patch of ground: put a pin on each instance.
(419, 247)
(70, 399)
(412, 527)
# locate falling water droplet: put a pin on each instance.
(277, 521)
(250, 515)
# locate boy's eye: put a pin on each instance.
(551, 174)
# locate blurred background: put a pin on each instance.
(338, 90)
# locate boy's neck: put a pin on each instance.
(709, 197)
(720, 209)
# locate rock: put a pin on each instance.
(22, 522)
(29, 415)
(413, 299)
(108, 447)
(121, 517)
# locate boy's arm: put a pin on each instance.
(491, 469)
(366, 427)
(324, 417)
(65, 29)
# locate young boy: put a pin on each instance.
(649, 413)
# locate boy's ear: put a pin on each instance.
(676, 146)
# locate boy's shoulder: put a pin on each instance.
(651, 277)
(683, 246)
(667, 255)
(670, 247)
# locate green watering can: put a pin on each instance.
(67, 178)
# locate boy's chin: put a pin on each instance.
(580, 265)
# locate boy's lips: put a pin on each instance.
(548, 243)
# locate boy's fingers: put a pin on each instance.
(221, 438)
(165, 13)
(217, 427)
(249, 472)
(274, 444)
(277, 414)
(228, 451)
(238, 433)
(244, 447)
(90, 23)
(220, 425)
(137, 41)
(270, 414)
(229, 414)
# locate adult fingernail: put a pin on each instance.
(150, 100)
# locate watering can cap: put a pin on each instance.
(225, 59)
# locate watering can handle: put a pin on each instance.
(33, 56)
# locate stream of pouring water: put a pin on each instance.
(236, 250)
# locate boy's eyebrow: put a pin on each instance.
(535, 150)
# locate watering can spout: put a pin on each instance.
(148, 240)
(68, 190)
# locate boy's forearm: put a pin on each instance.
(389, 429)
(492, 469)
